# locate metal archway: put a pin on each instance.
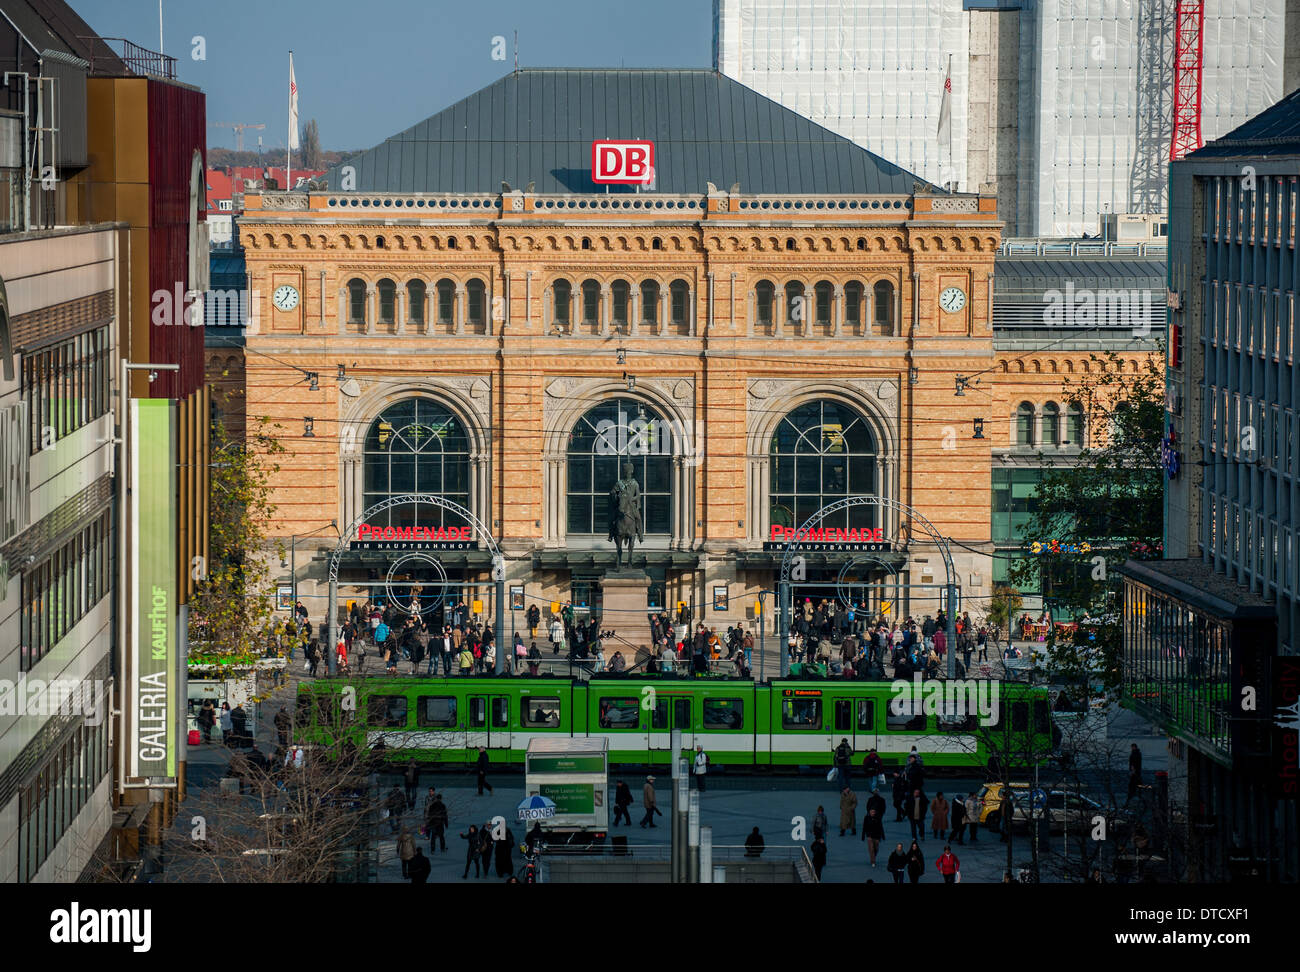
(407, 499)
(801, 533)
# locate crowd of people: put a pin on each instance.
(826, 639)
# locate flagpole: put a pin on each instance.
(288, 152)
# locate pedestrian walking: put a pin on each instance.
(395, 804)
(938, 815)
(915, 863)
(948, 864)
(472, 842)
(1134, 770)
(701, 767)
(897, 864)
(848, 811)
(820, 823)
(818, 857)
(900, 796)
(482, 768)
(844, 762)
(873, 832)
(436, 819)
(622, 800)
(972, 817)
(406, 851)
(412, 778)
(504, 853)
(486, 848)
(958, 820)
(419, 867)
(916, 809)
(648, 801)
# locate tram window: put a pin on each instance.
(801, 714)
(682, 714)
(1042, 718)
(956, 721)
(866, 714)
(477, 712)
(541, 713)
(500, 712)
(659, 719)
(436, 710)
(907, 719)
(1019, 717)
(843, 715)
(620, 713)
(724, 714)
(387, 710)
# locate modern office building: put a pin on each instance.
(1215, 627)
(1063, 107)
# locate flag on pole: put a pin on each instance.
(946, 174)
(293, 107)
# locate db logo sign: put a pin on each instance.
(624, 163)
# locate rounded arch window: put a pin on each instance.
(1074, 425)
(614, 432)
(475, 294)
(621, 291)
(883, 298)
(823, 294)
(1051, 424)
(649, 302)
(853, 292)
(562, 291)
(416, 446)
(1025, 424)
(590, 302)
(764, 297)
(387, 301)
(821, 452)
(446, 301)
(356, 301)
(415, 295)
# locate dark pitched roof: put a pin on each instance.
(537, 125)
(1029, 274)
(1274, 131)
(54, 25)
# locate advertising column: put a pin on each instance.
(153, 694)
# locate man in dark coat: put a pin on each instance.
(436, 819)
(482, 767)
(958, 820)
(897, 864)
(419, 867)
(877, 803)
(900, 796)
(504, 848)
(917, 806)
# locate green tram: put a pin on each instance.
(739, 723)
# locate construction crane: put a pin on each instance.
(239, 131)
(1188, 55)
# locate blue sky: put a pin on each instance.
(367, 70)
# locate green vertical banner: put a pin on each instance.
(154, 698)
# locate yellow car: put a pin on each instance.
(989, 800)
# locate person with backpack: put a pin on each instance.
(700, 769)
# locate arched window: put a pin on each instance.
(356, 301)
(446, 302)
(1074, 426)
(795, 310)
(562, 291)
(853, 292)
(1051, 424)
(823, 294)
(678, 302)
(821, 452)
(649, 302)
(387, 301)
(590, 302)
(621, 292)
(1025, 424)
(883, 299)
(415, 296)
(764, 298)
(617, 431)
(416, 446)
(475, 298)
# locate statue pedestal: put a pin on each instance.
(625, 597)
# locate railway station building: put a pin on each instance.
(771, 319)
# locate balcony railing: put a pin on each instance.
(139, 60)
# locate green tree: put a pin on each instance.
(1003, 605)
(232, 608)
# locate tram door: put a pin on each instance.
(855, 720)
(488, 723)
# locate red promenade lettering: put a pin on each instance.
(367, 532)
(782, 534)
